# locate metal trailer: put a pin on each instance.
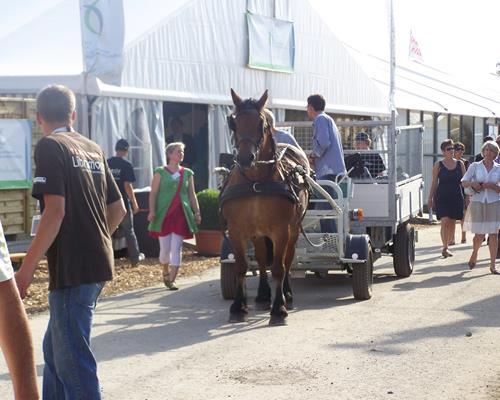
(388, 202)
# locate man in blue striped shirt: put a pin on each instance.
(327, 153)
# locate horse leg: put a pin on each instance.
(290, 252)
(238, 311)
(278, 310)
(263, 299)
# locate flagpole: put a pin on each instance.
(392, 58)
(393, 132)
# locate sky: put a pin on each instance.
(454, 36)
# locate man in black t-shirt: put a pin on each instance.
(81, 207)
(123, 172)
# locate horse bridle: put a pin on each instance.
(246, 137)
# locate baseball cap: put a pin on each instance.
(362, 136)
(122, 144)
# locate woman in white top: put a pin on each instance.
(483, 214)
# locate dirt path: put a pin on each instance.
(434, 335)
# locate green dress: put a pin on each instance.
(166, 192)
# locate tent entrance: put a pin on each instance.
(188, 123)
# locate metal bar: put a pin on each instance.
(408, 127)
(307, 124)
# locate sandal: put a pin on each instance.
(446, 253)
(471, 264)
(494, 271)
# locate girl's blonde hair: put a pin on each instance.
(173, 146)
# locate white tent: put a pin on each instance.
(194, 51)
(186, 51)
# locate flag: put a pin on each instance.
(414, 52)
(103, 34)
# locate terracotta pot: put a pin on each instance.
(208, 243)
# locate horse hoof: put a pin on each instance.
(277, 320)
(237, 317)
(262, 305)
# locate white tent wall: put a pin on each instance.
(202, 49)
(140, 122)
(219, 139)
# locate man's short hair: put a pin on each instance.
(55, 103)
(122, 145)
(317, 101)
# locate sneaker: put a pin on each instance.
(141, 257)
(171, 285)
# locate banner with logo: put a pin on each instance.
(271, 43)
(103, 34)
(15, 154)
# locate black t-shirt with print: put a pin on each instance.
(123, 172)
(72, 166)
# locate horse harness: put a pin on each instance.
(292, 176)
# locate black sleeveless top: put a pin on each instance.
(449, 199)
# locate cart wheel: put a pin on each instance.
(362, 277)
(228, 280)
(404, 250)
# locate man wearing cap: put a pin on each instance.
(123, 172)
(372, 161)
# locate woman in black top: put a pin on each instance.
(445, 196)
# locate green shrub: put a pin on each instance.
(209, 209)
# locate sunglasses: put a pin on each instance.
(448, 149)
(458, 149)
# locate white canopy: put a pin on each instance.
(192, 51)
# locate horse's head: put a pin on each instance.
(250, 127)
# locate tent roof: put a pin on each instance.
(195, 50)
(191, 50)
(421, 87)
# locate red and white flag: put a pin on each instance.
(414, 52)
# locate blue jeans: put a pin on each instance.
(127, 226)
(327, 225)
(70, 370)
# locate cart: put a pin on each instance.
(372, 213)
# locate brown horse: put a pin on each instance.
(264, 200)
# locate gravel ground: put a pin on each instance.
(126, 278)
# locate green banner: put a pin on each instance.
(15, 185)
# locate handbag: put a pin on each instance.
(469, 191)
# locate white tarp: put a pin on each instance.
(202, 50)
(15, 153)
(103, 34)
(140, 122)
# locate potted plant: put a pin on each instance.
(209, 237)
